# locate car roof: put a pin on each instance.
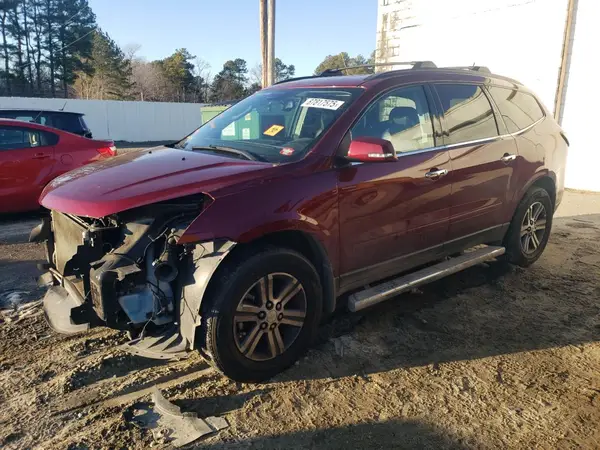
(53, 111)
(25, 123)
(408, 75)
(322, 81)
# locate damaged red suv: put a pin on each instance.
(239, 239)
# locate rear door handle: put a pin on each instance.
(41, 156)
(435, 174)
(508, 158)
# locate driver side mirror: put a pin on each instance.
(371, 149)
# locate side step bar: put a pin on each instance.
(385, 291)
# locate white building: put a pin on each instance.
(548, 45)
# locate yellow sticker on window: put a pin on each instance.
(274, 130)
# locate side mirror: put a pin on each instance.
(371, 149)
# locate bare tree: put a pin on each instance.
(148, 81)
(255, 74)
(203, 77)
(131, 50)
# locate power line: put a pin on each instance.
(78, 39)
(66, 46)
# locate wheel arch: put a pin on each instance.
(545, 180)
(302, 242)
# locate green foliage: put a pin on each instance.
(229, 83)
(344, 60)
(107, 72)
(283, 72)
(55, 48)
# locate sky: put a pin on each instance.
(218, 30)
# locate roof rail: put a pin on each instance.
(296, 79)
(483, 69)
(414, 64)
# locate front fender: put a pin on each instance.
(306, 203)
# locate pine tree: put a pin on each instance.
(108, 71)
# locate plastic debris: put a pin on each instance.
(168, 424)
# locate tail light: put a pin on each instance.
(107, 151)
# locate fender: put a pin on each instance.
(305, 203)
(534, 179)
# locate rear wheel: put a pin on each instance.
(264, 315)
(530, 228)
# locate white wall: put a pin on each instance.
(582, 97)
(522, 39)
(123, 121)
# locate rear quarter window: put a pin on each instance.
(67, 122)
(518, 109)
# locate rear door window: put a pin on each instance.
(518, 109)
(468, 113)
(12, 138)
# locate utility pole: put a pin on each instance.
(271, 44)
(263, 41)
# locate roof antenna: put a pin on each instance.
(63, 106)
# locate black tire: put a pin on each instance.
(515, 252)
(233, 283)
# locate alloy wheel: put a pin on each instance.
(533, 228)
(269, 317)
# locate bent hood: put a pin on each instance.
(141, 178)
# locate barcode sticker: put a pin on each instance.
(323, 103)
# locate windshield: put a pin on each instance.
(273, 125)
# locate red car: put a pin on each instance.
(31, 155)
(307, 196)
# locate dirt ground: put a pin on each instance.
(493, 357)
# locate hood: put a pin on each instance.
(141, 178)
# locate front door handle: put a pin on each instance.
(435, 174)
(508, 158)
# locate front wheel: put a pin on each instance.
(530, 227)
(264, 314)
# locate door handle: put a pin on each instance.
(508, 158)
(434, 174)
(41, 156)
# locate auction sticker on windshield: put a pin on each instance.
(273, 130)
(324, 103)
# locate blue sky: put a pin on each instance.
(218, 30)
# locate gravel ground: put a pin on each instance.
(493, 357)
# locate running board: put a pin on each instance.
(385, 291)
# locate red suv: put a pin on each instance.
(238, 240)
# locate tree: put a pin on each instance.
(344, 60)
(229, 83)
(282, 72)
(76, 23)
(177, 70)
(110, 74)
(5, 44)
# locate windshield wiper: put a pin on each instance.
(246, 154)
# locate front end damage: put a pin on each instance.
(127, 271)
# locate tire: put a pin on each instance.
(234, 341)
(524, 250)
